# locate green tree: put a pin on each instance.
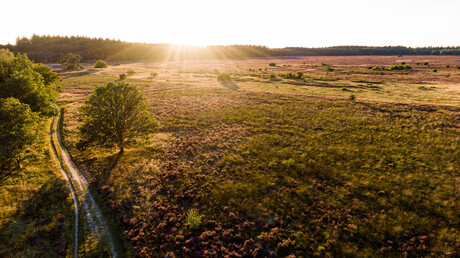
(18, 130)
(115, 115)
(32, 84)
(71, 62)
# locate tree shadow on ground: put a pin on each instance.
(112, 163)
(39, 225)
(230, 85)
(83, 73)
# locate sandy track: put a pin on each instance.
(78, 184)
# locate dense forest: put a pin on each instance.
(52, 48)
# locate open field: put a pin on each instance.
(285, 166)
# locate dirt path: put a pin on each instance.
(53, 126)
(97, 224)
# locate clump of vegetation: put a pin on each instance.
(130, 72)
(116, 114)
(352, 97)
(299, 74)
(426, 63)
(193, 219)
(121, 77)
(435, 70)
(153, 74)
(100, 64)
(71, 62)
(30, 83)
(458, 66)
(223, 77)
(328, 68)
(272, 64)
(400, 67)
(18, 130)
(272, 76)
(447, 66)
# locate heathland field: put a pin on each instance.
(344, 158)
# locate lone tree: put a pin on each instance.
(18, 129)
(115, 115)
(71, 62)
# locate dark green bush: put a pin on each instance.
(299, 74)
(272, 64)
(426, 63)
(100, 64)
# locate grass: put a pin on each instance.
(277, 169)
(36, 209)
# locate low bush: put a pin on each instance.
(271, 64)
(328, 68)
(130, 72)
(100, 64)
(153, 74)
(352, 97)
(299, 74)
(223, 77)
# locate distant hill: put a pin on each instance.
(48, 49)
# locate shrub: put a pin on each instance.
(153, 74)
(100, 64)
(400, 67)
(435, 70)
(271, 64)
(458, 66)
(288, 75)
(193, 219)
(426, 63)
(121, 77)
(378, 67)
(352, 97)
(403, 63)
(299, 74)
(447, 66)
(223, 77)
(71, 62)
(328, 68)
(272, 76)
(418, 63)
(130, 72)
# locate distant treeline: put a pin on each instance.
(53, 48)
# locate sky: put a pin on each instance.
(414, 23)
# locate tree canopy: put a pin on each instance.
(32, 84)
(18, 130)
(53, 48)
(115, 115)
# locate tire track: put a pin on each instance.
(78, 184)
(52, 131)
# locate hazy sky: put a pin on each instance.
(222, 22)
